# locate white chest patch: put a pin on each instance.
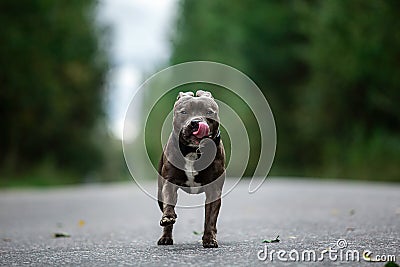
(191, 172)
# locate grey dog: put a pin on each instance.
(193, 160)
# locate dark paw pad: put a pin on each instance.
(165, 241)
(167, 221)
(210, 243)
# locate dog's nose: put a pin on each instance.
(195, 122)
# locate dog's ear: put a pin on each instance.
(182, 94)
(204, 93)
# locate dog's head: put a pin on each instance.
(195, 117)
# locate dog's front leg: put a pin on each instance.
(213, 204)
(169, 198)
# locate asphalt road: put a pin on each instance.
(117, 224)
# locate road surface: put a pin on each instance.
(117, 225)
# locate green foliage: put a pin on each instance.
(350, 100)
(330, 70)
(52, 69)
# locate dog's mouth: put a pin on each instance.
(195, 132)
(201, 130)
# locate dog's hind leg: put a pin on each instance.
(213, 204)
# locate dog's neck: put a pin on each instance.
(186, 149)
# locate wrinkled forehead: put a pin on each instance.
(196, 103)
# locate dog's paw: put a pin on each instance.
(165, 221)
(210, 243)
(165, 240)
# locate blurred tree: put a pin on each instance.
(350, 110)
(51, 77)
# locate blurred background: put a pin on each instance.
(68, 69)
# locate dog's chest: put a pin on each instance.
(191, 172)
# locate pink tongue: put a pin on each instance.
(202, 131)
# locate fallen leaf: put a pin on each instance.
(57, 235)
(197, 233)
(81, 223)
(276, 240)
(391, 264)
(352, 212)
(350, 229)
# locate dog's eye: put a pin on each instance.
(183, 112)
(210, 112)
